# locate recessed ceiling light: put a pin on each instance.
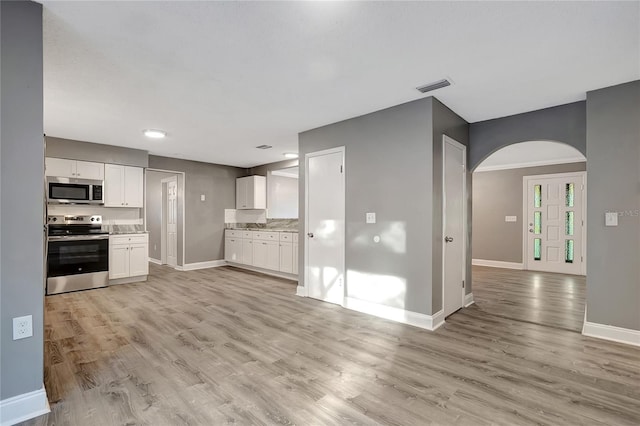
(291, 154)
(155, 134)
(264, 146)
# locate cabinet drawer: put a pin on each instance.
(233, 233)
(129, 239)
(295, 237)
(247, 235)
(266, 236)
(286, 237)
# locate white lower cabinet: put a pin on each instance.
(262, 249)
(247, 251)
(128, 256)
(286, 257)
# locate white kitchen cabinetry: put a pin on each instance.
(128, 256)
(286, 252)
(61, 167)
(268, 250)
(251, 192)
(247, 248)
(295, 253)
(233, 246)
(123, 186)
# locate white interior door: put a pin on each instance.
(325, 216)
(453, 251)
(554, 229)
(172, 222)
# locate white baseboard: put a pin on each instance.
(156, 261)
(497, 264)
(468, 300)
(201, 265)
(301, 291)
(128, 280)
(271, 272)
(23, 407)
(610, 332)
(428, 322)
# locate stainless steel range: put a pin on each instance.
(78, 253)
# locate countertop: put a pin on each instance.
(127, 232)
(265, 229)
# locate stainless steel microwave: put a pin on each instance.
(74, 191)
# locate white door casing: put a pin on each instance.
(453, 224)
(325, 225)
(172, 221)
(554, 237)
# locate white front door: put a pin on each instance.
(453, 201)
(555, 222)
(325, 216)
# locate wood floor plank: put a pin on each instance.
(226, 346)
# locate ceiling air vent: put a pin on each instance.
(433, 86)
(264, 146)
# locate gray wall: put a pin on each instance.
(564, 123)
(204, 221)
(497, 194)
(388, 170)
(446, 122)
(22, 192)
(613, 159)
(262, 170)
(282, 197)
(154, 208)
(87, 151)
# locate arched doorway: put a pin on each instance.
(528, 240)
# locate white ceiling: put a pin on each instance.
(529, 154)
(224, 77)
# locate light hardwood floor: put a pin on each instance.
(223, 346)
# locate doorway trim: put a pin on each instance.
(446, 139)
(164, 225)
(181, 189)
(525, 210)
(303, 291)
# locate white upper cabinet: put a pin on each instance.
(123, 186)
(251, 192)
(60, 167)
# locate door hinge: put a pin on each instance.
(341, 169)
(462, 283)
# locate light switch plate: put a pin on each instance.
(202, 197)
(611, 219)
(370, 217)
(511, 218)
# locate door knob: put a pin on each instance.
(310, 234)
(530, 230)
(448, 239)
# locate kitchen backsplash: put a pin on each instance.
(291, 224)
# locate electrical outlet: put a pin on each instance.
(370, 217)
(22, 327)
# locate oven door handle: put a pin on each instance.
(78, 237)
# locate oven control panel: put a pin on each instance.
(75, 220)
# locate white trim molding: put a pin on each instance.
(610, 332)
(428, 322)
(497, 264)
(24, 407)
(468, 300)
(201, 265)
(156, 261)
(301, 291)
(537, 163)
